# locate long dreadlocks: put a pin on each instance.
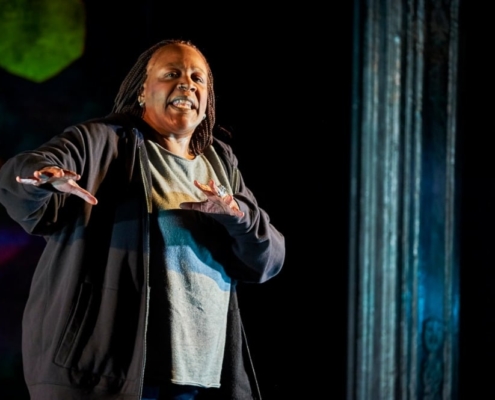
(126, 100)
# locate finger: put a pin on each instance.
(82, 193)
(28, 181)
(219, 190)
(51, 174)
(213, 186)
(87, 197)
(204, 188)
(235, 208)
(48, 172)
(72, 187)
(228, 199)
(238, 213)
(71, 174)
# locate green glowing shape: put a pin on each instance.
(39, 38)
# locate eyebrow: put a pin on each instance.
(179, 66)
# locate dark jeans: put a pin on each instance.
(174, 392)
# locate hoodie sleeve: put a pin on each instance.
(37, 209)
(256, 243)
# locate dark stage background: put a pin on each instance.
(477, 195)
(283, 85)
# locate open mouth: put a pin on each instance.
(183, 104)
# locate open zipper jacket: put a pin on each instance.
(84, 325)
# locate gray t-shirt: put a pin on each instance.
(190, 289)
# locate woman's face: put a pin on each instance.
(175, 91)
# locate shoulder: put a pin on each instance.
(224, 151)
(113, 124)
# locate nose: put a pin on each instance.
(187, 85)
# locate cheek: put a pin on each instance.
(156, 95)
(156, 92)
(204, 103)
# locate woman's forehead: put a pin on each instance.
(176, 54)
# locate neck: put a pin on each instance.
(176, 145)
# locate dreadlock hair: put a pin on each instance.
(126, 101)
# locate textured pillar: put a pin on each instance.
(404, 292)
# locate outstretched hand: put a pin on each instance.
(61, 179)
(217, 202)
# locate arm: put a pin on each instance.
(61, 179)
(32, 184)
(256, 243)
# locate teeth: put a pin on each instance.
(182, 103)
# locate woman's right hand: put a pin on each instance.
(61, 179)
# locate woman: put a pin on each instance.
(135, 294)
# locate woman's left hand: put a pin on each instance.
(218, 201)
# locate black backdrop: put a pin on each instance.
(283, 86)
(477, 195)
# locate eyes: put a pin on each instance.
(171, 75)
(196, 77)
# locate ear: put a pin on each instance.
(141, 97)
(141, 93)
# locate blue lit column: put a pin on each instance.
(404, 291)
